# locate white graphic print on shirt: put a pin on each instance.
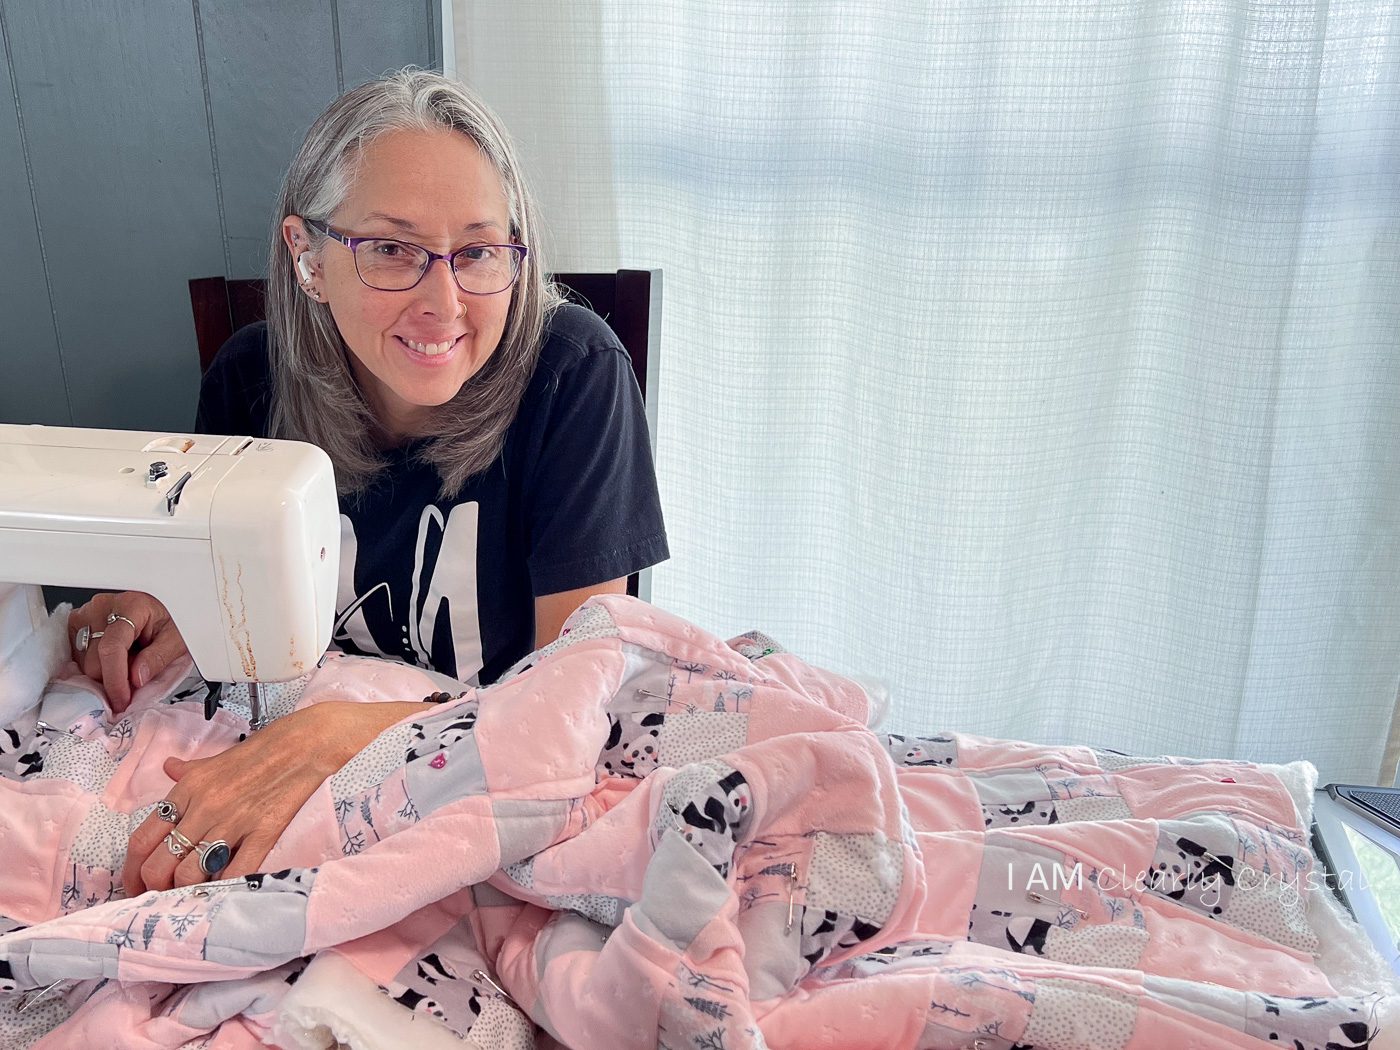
(451, 592)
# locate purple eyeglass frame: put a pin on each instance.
(351, 242)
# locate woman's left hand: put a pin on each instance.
(247, 795)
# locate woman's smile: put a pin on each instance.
(431, 349)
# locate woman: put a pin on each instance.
(489, 442)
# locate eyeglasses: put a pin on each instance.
(396, 266)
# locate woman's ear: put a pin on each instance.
(298, 242)
(295, 236)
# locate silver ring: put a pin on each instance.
(214, 856)
(167, 811)
(85, 637)
(177, 843)
(114, 617)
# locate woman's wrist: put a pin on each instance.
(344, 728)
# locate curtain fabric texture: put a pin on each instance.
(1039, 358)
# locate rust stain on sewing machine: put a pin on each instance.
(238, 622)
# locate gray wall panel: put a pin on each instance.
(31, 374)
(271, 70)
(157, 133)
(376, 38)
(119, 148)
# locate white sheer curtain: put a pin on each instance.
(1042, 359)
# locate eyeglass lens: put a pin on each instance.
(393, 266)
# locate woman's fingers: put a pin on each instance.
(245, 796)
(77, 618)
(249, 856)
(91, 662)
(248, 794)
(158, 869)
(191, 869)
(88, 616)
(127, 640)
(114, 654)
(149, 862)
(166, 646)
(138, 848)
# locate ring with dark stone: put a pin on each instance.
(214, 857)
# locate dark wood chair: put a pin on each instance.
(628, 300)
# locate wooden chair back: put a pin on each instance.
(628, 300)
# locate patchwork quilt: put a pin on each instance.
(647, 837)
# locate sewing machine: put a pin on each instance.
(239, 537)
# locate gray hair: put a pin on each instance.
(315, 396)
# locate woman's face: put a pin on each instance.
(436, 189)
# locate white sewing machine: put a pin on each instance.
(238, 537)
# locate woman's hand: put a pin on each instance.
(131, 650)
(247, 795)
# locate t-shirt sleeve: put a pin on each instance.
(591, 501)
(235, 394)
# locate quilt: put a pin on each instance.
(645, 836)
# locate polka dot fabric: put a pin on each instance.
(1273, 908)
(85, 763)
(755, 645)
(687, 738)
(1101, 808)
(1070, 1015)
(24, 1029)
(856, 875)
(101, 839)
(373, 765)
(606, 911)
(501, 1028)
(1118, 946)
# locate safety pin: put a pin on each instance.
(648, 692)
(483, 977)
(1039, 898)
(39, 996)
(45, 728)
(792, 889)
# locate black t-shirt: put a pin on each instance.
(450, 584)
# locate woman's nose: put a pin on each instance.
(438, 292)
